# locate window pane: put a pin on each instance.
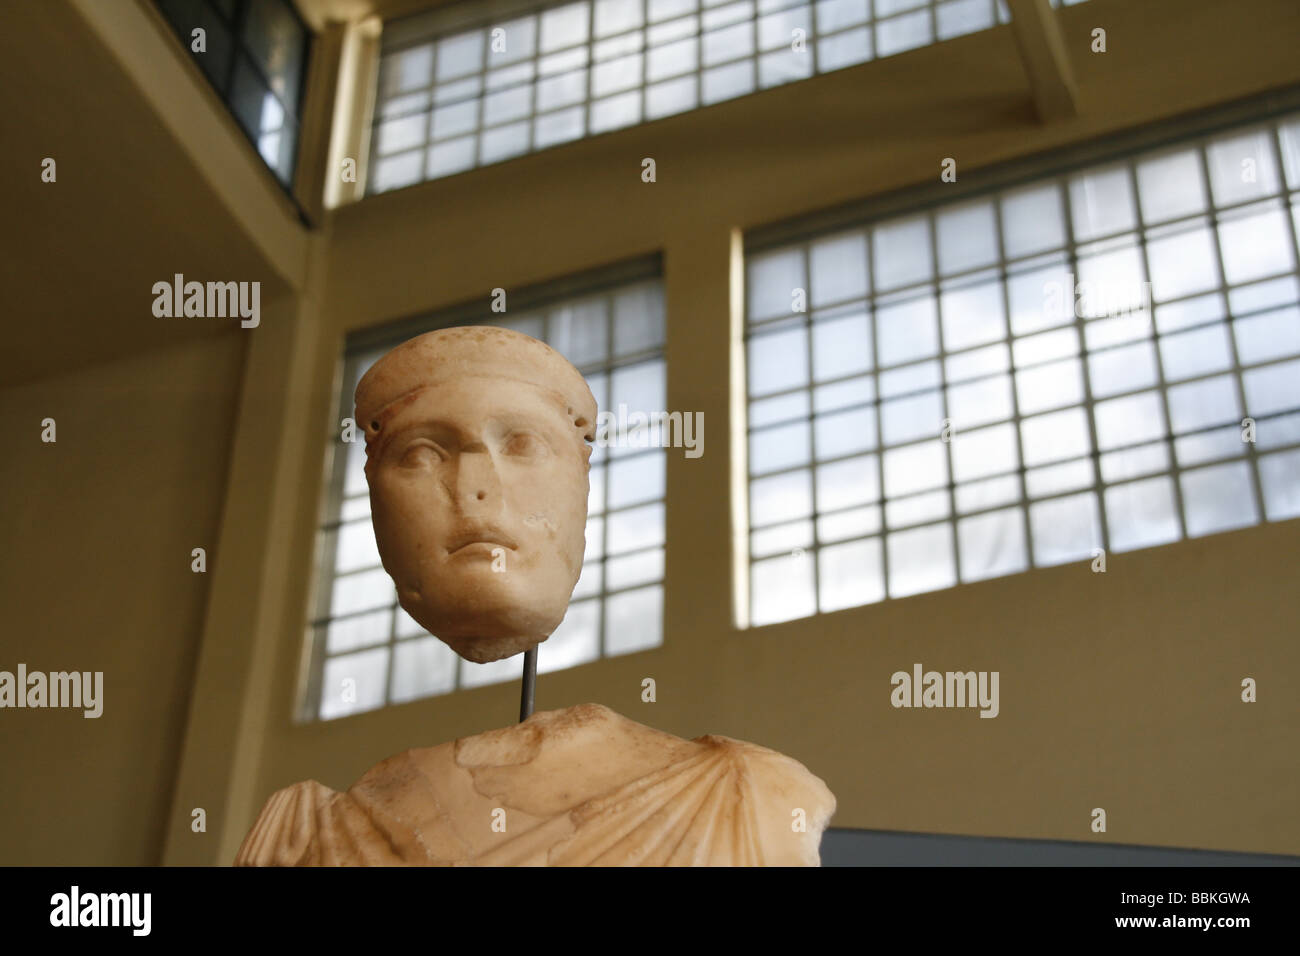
(907, 419)
(1218, 498)
(1280, 476)
(903, 33)
(358, 630)
(518, 39)
(967, 237)
(907, 331)
(460, 54)
(782, 539)
(773, 281)
(780, 498)
(920, 560)
(1032, 220)
(1171, 186)
(727, 82)
(1101, 203)
(353, 683)
(839, 268)
(277, 44)
(844, 49)
(841, 346)
(564, 26)
(671, 96)
(988, 451)
(992, 544)
(972, 316)
(1273, 388)
(850, 575)
(843, 484)
(915, 468)
(421, 668)
(1256, 243)
(1242, 167)
(1142, 514)
(980, 402)
(616, 16)
(778, 361)
(1183, 264)
(576, 641)
(1055, 437)
(1196, 405)
(902, 253)
(1065, 529)
(781, 589)
(1129, 420)
(784, 446)
(1124, 369)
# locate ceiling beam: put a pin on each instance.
(1042, 48)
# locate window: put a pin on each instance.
(1103, 359)
(453, 98)
(613, 331)
(254, 52)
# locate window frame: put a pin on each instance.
(415, 30)
(1054, 167)
(235, 25)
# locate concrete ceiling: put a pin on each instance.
(79, 256)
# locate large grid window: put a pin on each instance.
(1105, 359)
(450, 101)
(254, 52)
(367, 651)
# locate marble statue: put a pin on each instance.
(477, 457)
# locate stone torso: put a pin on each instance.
(573, 787)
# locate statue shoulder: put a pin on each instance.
(308, 824)
(721, 802)
(286, 829)
(792, 805)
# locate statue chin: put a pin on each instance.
(489, 632)
(479, 649)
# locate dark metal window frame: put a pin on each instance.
(430, 27)
(1052, 167)
(235, 24)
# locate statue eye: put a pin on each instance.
(523, 444)
(421, 453)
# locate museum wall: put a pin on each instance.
(1080, 654)
(95, 575)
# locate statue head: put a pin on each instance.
(477, 458)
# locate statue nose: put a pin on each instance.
(477, 483)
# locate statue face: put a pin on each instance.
(479, 502)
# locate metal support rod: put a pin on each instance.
(529, 686)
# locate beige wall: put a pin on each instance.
(95, 575)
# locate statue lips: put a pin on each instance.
(479, 538)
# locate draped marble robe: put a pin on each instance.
(573, 787)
